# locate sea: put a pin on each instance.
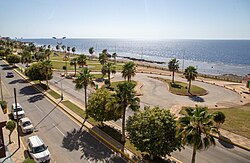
(215, 57)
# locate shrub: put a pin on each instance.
(3, 104)
(28, 160)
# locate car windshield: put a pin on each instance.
(9, 73)
(27, 123)
(39, 149)
(18, 109)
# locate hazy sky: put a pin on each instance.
(152, 19)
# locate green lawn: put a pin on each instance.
(92, 66)
(114, 84)
(74, 108)
(181, 88)
(54, 94)
(98, 76)
(237, 119)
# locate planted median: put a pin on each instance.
(180, 88)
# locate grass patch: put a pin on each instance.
(74, 108)
(180, 88)
(92, 66)
(237, 119)
(54, 94)
(98, 76)
(114, 84)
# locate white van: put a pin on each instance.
(38, 150)
(19, 110)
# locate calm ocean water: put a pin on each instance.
(209, 56)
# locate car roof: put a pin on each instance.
(35, 141)
(25, 119)
(18, 105)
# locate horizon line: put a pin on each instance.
(116, 38)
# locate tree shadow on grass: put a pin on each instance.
(28, 90)
(174, 85)
(18, 81)
(226, 142)
(35, 98)
(90, 147)
(196, 98)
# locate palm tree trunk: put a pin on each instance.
(123, 125)
(10, 138)
(47, 83)
(86, 105)
(189, 86)
(173, 77)
(85, 92)
(66, 68)
(75, 69)
(194, 154)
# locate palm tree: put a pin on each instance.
(173, 65)
(114, 55)
(83, 81)
(68, 49)
(125, 97)
(73, 50)
(108, 68)
(195, 128)
(128, 70)
(190, 74)
(63, 47)
(103, 58)
(82, 60)
(91, 51)
(47, 68)
(49, 46)
(57, 47)
(26, 57)
(219, 118)
(74, 62)
(48, 53)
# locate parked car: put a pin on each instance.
(19, 110)
(26, 125)
(9, 75)
(38, 150)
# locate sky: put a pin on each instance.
(139, 19)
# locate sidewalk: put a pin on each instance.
(12, 149)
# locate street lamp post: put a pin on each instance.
(59, 42)
(56, 82)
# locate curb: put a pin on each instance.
(230, 142)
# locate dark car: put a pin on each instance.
(10, 75)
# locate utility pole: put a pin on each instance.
(17, 118)
(1, 88)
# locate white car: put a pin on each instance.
(19, 110)
(26, 125)
(38, 150)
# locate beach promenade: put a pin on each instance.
(234, 138)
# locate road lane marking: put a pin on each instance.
(38, 108)
(58, 129)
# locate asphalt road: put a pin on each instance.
(155, 93)
(66, 142)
